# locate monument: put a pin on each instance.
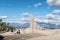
(34, 25)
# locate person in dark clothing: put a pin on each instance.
(18, 32)
(12, 30)
(1, 37)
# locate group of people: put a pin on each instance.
(18, 31)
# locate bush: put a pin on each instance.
(4, 27)
(11, 28)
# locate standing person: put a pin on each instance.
(7, 30)
(11, 30)
(18, 32)
(1, 37)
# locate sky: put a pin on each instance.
(42, 10)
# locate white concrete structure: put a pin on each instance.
(33, 25)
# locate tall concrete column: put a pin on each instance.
(32, 24)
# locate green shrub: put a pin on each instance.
(11, 28)
(4, 27)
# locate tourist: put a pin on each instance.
(7, 30)
(11, 30)
(1, 37)
(18, 32)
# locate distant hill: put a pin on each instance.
(47, 25)
(19, 25)
(42, 24)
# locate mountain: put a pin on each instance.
(42, 24)
(47, 25)
(19, 25)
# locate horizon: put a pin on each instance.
(42, 10)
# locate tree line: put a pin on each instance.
(4, 26)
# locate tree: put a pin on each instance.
(0, 20)
(7, 24)
(4, 26)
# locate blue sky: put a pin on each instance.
(14, 9)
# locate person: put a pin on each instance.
(18, 32)
(1, 37)
(7, 30)
(11, 30)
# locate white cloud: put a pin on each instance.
(56, 12)
(38, 20)
(11, 21)
(38, 17)
(37, 4)
(3, 17)
(25, 14)
(14, 20)
(53, 2)
(44, 20)
(25, 19)
(51, 16)
(47, 21)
